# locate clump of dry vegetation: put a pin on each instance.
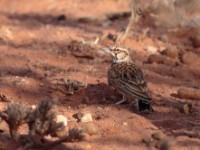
(168, 15)
(42, 121)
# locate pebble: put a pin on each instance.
(171, 52)
(147, 140)
(151, 49)
(61, 118)
(189, 93)
(160, 59)
(166, 143)
(190, 58)
(86, 118)
(33, 107)
(124, 123)
(83, 117)
(157, 135)
(90, 128)
(164, 38)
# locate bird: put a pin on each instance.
(128, 79)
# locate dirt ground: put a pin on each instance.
(36, 55)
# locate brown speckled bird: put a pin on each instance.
(127, 78)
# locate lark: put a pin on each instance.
(128, 79)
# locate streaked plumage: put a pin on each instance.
(127, 78)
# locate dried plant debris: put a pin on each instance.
(118, 15)
(42, 120)
(4, 98)
(68, 86)
(15, 115)
(180, 14)
(99, 20)
(82, 49)
(47, 69)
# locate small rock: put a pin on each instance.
(166, 143)
(33, 107)
(190, 58)
(106, 23)
(90, 128)
(157, 136)
(147, 141)
(160, 59)
(162, 48)
(100, 54)
(124, 123)
(171, 52)
(155, 59)
(83, 117)
(41, 84)
(189, 93)
(164, 38)
(20, 81)
(86, 118)
(61, 119)
(6, 33)
(151, 49)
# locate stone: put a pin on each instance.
(61, 118)
(157, 135)
(166, 143)
(190, 58)
(151, 49)
(189, 93)
(90, 128)
(83, 117)
(147, 140)
(172, 52)
(124, 123)
(160, 59)
(164, 38)
(86, 118)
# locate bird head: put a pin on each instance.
(118, 53)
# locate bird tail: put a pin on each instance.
(145, 105)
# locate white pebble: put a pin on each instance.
(61, 118)
(86, 118)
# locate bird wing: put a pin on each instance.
(129, 79)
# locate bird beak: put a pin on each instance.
(105, 49)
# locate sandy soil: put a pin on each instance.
(35, 55)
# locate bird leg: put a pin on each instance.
(124, 99)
